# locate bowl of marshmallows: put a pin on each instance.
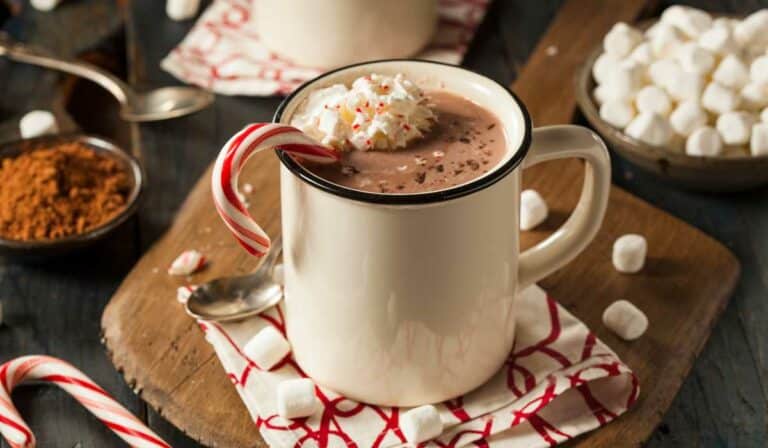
(685, 97)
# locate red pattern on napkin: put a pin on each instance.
(223, 51)
(558, 382)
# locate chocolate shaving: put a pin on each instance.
(420, 177)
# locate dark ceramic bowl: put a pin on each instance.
(41, 249)
(713, 174)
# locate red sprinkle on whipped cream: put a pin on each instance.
(343, 117)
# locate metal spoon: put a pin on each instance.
(233, 298)
(154, 105)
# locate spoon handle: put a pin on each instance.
(274, 252)
(30, 55)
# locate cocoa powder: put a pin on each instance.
(59, 191)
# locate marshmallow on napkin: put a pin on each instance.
(488, 413)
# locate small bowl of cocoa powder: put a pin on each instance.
(60, 193)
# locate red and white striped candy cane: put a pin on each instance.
(77, 384)
(253, 138)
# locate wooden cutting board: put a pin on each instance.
(684, 287)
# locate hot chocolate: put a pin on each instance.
(465, 142)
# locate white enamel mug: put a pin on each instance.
(330, 33)
(410, 299)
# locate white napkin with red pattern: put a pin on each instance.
(559, 381)
(223, 52)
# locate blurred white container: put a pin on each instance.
(331, 33)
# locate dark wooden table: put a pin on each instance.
(54, 307)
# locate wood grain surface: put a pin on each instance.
(686, 284)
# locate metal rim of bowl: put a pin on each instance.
(584, 85)
(100, 145)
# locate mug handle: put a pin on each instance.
(562, 142)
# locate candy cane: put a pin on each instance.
(254, 138)
(82, 388)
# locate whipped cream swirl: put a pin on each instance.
(377, 112)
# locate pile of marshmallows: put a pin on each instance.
(629, 253)
(690, 81)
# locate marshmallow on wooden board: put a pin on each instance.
(692, 58)
(624, 81)
(764, 115)
(758, 70)
(735, 127)
(687, 117)
(731, 72)
(718, 40)
(625, 320)
(719, 99)
(691, 21)
(617, 112)
(37, 123)
(650, 128)
(181, 9)
(267, 348)
(296, 398)
(621, 39)
(754, 96)
(665, 41)
(758, 144)
(421, 424)
(629, 253)
(45, 5)
(752, 30)
(642, 54)
(704, 141)
(533, 209)
(653, 99)
(603, 66)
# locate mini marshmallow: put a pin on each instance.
(735, 127)
(45, 5)
(642, 54)
(650, 128)
(758, 144)
(719, 99)
(752, 30)
(181, 9)
(754, 95)
(687, 117)
(533, 209)
(267, 348)
(704, 141)
(600, 94)
(691, 21)
(764, 115)
(617, 112)
(731, 72)
(663, 70)
(758, 70)
(718, 40)
(624, 81)
(665, 41)
(694, 59)
(625, 320)
(296, 398)
(621, 39)
(653, 99)
(421, 424)
(629, 253)
(187, 263)
(604, 64)
(685, 86)
(37, 123)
